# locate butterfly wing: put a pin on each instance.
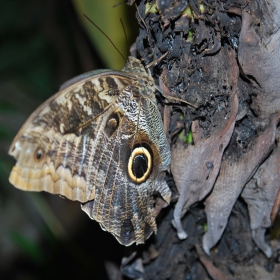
(51, 148)
(99, 141)
(132, 164)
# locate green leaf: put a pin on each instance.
(189, 138)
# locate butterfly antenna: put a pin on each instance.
(126, 43)
(105, 35)
(118, 4)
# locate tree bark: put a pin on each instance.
(223, 58)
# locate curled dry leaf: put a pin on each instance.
(203, 161)
(258, 56)
(260, 193)
(237, 168)
(196, 167)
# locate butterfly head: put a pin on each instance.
(134, 66)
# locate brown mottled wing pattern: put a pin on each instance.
(122, 206)
(78, 144)
(62, 130)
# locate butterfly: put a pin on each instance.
(100, 141)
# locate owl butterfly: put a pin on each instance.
(100, 141)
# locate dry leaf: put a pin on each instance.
(236, 170)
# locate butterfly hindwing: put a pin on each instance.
(124, 205)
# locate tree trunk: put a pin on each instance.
(222, 57)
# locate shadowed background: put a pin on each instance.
(42, 45)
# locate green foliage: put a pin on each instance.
(107, 16)
(151, 8)
(190, 36)
(186, 138)
(188, 12)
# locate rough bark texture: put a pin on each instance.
(223, 58)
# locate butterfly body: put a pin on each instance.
(100, 141)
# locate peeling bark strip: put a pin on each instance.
(261, 194)
(259, 54)
(223, 57)
(236, 170)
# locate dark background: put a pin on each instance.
(42, 45)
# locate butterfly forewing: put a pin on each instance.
(61, 130)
